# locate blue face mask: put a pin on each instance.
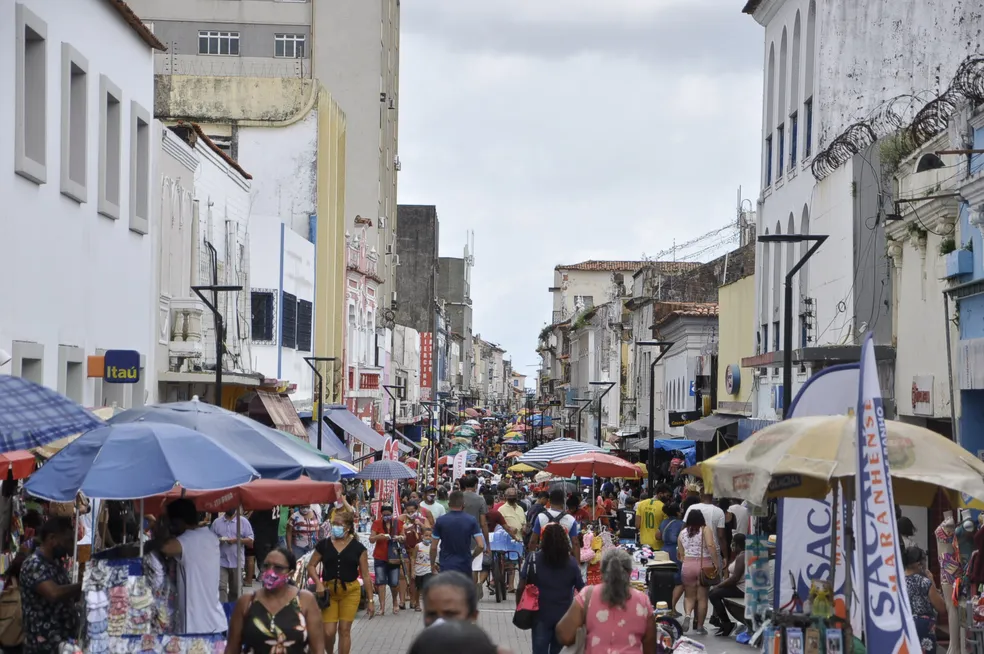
(337, 531)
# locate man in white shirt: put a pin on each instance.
(714, 517)
(430, 503)
(740, 513)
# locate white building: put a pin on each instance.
(686, 370)
(406, 366)
(75, 175)
(203, 238)
(826, 114)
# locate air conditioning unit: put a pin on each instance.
(389, 249)
(382, 222)
(396, 260)
(396, 164)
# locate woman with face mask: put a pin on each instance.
(342, 558)
(278, 618)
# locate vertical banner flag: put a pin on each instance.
(804, 525)
(888, 623)
(458, 468)
(388, 488)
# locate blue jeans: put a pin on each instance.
(545, 638)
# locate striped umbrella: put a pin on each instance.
(384, 470)
(32, 415)
(557, 449)
(345, 468)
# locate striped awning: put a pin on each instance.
(557, 449)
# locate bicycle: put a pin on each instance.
(502, 550)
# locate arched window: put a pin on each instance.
(770, 101)
(811, 55)
(764, 295)
(804, 276)
(794, 95)
(781, 108)
(777, 271)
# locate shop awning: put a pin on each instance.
(349, 423)
(282, 413)
(330, 443)
(704, 429)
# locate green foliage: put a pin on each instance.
(947, 245)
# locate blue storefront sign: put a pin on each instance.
(121, 367)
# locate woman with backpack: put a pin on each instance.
(557, 576)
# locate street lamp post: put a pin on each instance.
(587, 402)
(389, 391)
(608, 386)
(219, 329)
(664, 347)
(787, 331)
(321, 392)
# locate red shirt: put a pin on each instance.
(381, 550)
(497, 506)
(493, 518)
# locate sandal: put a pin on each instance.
(396, 610)
(417, 609)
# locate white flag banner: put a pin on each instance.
(458, 467)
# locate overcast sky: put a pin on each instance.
(565, 130)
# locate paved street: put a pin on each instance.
(393, 635)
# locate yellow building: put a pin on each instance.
(736, 328)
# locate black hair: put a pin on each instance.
(56, 526)
(906, 528)
(287, 554)
(384, 508)
(184, 510)
(555, 545)
(469, 481)
(457, 580)
(672, 510)
(912, 556)
(663, 488)
(32, 519)
(695, 521)
(689, 502)
(572, 503)
(453, 636)
(557, 498)
(543, 495)
(738, 540)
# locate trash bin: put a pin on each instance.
(660, 581)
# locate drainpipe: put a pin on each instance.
(949, 369)
(280, 304)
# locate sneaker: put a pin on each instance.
(686, 623)
(700, 631)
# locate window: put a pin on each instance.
(775, 336)
(289, 45)
(262, 317)
(808, 117)
(31, 79)
(218, 43)
(288, 323)
(304, 315)
(793, 135)
(139, 169)
(27, 361)
(74, 119)
(780, 156)
(71, 372)
(110, 147)
(768, 160)
(586, 300)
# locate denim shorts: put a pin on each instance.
(387, 574)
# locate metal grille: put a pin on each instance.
(288, 325)
(304, 325)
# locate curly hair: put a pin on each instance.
(555, 545)
(616, 571)
(347, 517)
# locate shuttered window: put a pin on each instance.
(304, 325)
(288, 325)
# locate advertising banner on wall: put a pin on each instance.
(804, 525)
(426, 365)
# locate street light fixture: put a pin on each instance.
(787, 328)
(664, 347)
(389, 391)
(608, 386)
(587, 402)
(219, 329)
(321, 391)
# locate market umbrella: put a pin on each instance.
(557, 449)
(512, 434)
(473, 423)
(257, 495)
(805, 457)
(19, 464)
(521, 467)
(54, 447)
(134, 461)
(548, 431)
(32, 415)
(592, 464)
(384, 470)
(472, 413)
(412, 463)
(347, 469)
(463, 440)
(465, 430)
(517, 442)
(519, 426)
(272, 453)
(512, 455)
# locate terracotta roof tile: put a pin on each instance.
(613, 266)
(691, 310)
(138, 25)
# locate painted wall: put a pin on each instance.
(594, 283)
(272, 360)
(736, 339)
(71, 276)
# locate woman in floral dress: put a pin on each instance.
(275, 619)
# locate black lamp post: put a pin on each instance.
(787, 328)
(219, 329)
(608, 386)
(587, 402)
(321, 392)
(664, 347)
(389, 388)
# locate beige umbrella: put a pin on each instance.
(804, 457)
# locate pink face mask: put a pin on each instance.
(272, 580)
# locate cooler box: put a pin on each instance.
(503, 542)
(660, 581)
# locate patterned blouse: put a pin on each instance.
(283, 633)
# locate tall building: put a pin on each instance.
(454, 292)
(417, 241)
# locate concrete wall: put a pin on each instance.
(417, 239)
(73, 277)
(268, 12)
(274, 248)
(572, 283)
(736, 339)
(234, 100)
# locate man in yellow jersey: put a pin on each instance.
(649, 515)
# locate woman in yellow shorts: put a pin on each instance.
(342, 558)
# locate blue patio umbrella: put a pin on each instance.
(133, 461)
(273, 454)
(32, 415)
(383, 470)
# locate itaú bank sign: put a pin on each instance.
(121, 367)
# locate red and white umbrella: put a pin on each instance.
(590, 464)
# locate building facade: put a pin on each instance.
(77, 180)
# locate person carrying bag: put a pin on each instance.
(528, 603)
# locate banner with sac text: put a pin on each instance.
(460, 461)
(804, 525)
(880, 577)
